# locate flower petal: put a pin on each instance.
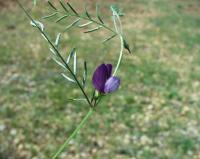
(100, 77)
(109, 69)
(112, 84)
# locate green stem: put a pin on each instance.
(120, 55)
(73, 134)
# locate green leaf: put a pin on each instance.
(36, 23)
(57, 40)
(67, 78)
(77, 99)
(51, 5)
(53, 52)
(87, 13)
(49, 16)
(84, 25)
(97, 13)
(84, 74)
(44, 37)
(63, 5)
(59, 63)
(70, 55)
(126, 45)
(92, 30)
(61, 18)
(75, 63)
(109, 38)
(72, 8)
(73, 24)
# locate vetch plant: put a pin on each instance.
(104, 79)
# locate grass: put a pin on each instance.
(155, 114)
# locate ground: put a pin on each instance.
(155, 113)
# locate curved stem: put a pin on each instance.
(73, 134)
(119, 31)
(120, 55)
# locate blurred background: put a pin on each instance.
(154, 115)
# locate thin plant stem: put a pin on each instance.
(57, 52)
(120, 55)
(120, 34)
(85, 119)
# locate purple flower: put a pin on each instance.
(103, 80)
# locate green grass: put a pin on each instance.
(154, 115)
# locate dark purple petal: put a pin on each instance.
(112, 84)
(109, 69)
(100, 77)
